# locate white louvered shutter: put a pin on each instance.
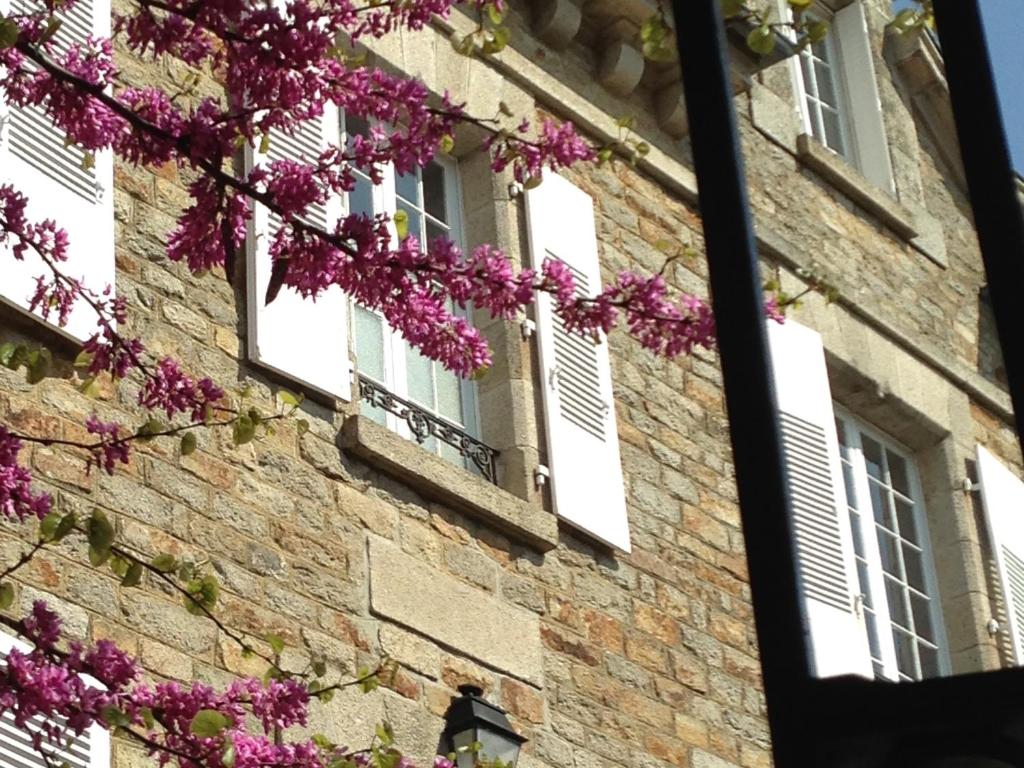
(1002, 495)
(826, 569)
(851, 31)
(583, 444)
(303, 339)
(34, 159)
(89, 750)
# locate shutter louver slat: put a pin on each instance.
(587, 489)
(303, 339)
(1002, 496)
(826, 572)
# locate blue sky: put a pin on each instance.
(1004, 27)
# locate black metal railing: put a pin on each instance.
(423, 425)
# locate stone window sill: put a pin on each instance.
(847, 180)
(438, 479)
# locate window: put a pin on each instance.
(58, 178)
(824, 107)
(430, 200)
(837, 94)
(894, 566)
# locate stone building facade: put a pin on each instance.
(353, 542)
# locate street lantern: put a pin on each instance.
(472, 720)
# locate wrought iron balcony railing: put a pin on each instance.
(423, 425)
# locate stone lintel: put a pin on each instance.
(439, 479)
(454, 614)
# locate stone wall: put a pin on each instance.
(602, 659)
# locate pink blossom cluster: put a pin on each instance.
(171, 390)
(17, 500)
(45, 682)
(112, 449)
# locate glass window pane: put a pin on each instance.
(904, 653)
(922, 617)
(356, 126)
(872, 457)
(905, 518)
(880, 505)
(898, 473)
(449, 395)
(408, 187)
(420, 378)
(929, 660)
(370, 343)
(888, 548)
(805, 71)
(894, 594)
(833, 133)
(914, 564)
(872, 627)
(433, 192)
(360, 199)
(864, 581)
(826, 86)
(434, 231)
(858, 541)
(820, 50)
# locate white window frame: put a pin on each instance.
(860, 110)
(385, 200)
(813, 123)
(886, 666)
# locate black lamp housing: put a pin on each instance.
(470, 720)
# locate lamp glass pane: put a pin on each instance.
(461, 743)
(496, 746)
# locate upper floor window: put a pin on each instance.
(890, 544)
(837, 93)
(429, 198)
(824, 108)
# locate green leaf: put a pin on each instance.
(188, 443)
(67, 524)
(626, 121)
(119, 566)
(401, 219)
(761, 39)
(817, 31)
(290, 398)
(53, 24)
(7, 353)
(48, 527)
(447, 144)
(533, 182)
(319, 668)
(115, 717)
(98, 557)
(6, 595)
(208, 723)
(303, 426)
(133, 575)
(264, 144)
(323, 742)
(39, 363)
(276, 644)
(385, 734)
(243, 430)
(151, 428)
(147, 717)
(800, 4)
(9, 32)
(227, 757)
(100, 530)
(732, 8)
(83, 359)
(495, 14)
(88, 387)
(165, 563)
